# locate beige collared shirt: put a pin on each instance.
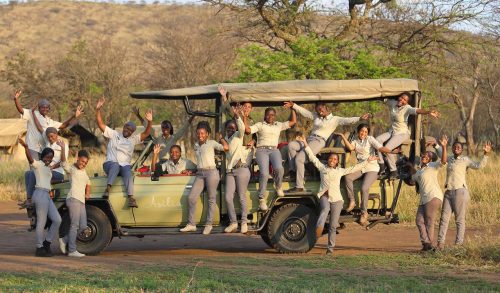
(57, 155)
(34, 139)
(167, 143)
(205, 153)
(330, 177)
(427, 179)
(79, 181)
(268, 134)
(43, 175)
(176, 168)
(364, 149)
(457, 170)
(237, 151)
(324, 127)
(120, 149)
(399, 116)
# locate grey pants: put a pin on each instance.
(297, 157)
(426, 216)
(78, 217)
(204, 178)
(455, 201)
(334, 209)
(30, 181)
(44, 208)
(237, 180)
(263, 156)
(368, 179)
(113, 169)
(391, 142)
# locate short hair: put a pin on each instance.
(43, 102)
(408, 94)
(363, 125)
(317, 104)
(334, 154)
(229, 122)
(269, 109)
(457, 142)
(45, 152)
(50, 130)
(167, 124)
(83, 154)
(204, 125)
(131, 125)
(176, 146)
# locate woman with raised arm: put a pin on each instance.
(268, 134)
(207, 175)
(120, 150)
(330, 198)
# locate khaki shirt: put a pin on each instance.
(364, 149)
(457, 169)
(237, 151)
(324, 127)
(43, 175)
(183, 164)
(427, 179)
(57, 155)
(205, 154)
(79, 181)
(167, 143)
(330, 177)
(34, 139)
(120, 149)
(399, 116)
(268, 134)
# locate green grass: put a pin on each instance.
(362, 273)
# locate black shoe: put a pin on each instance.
(46, 246)
(329, 252)
(41, 252)
(131, 202)
(393, 175)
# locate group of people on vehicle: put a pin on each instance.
(242, 141)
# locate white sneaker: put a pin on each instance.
(231, 228)
(76, 254)
(280, 193)
(207, 230)
(188, 228)
(262, 205)
(62, 245)
(244, 228)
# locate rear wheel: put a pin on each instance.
(291, 228)
(98, 234)
(265, 237)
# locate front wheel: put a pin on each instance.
(98, 234)
(291, 228)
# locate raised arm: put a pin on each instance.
(63, 150)
(156, 151)
(78, 113)
(36, 121)
(247, 127)
(301, 110)
(98, 116)
(312, 157)
(180, 133)
(137, 114)
(347, 144)
(482, 163)
(222, 141)
(26, 151)
(19, 107)
(149, 118)
(293, 119)
(433, 113)
(444, 142)
(349, 120)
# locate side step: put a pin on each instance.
(131, 231)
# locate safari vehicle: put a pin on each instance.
(289, 224)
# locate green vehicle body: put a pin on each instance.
(288, 225)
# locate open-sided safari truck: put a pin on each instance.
(289, 224)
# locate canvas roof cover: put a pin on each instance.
(11, 130)
(295, 90)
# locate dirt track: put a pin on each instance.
(17, 245)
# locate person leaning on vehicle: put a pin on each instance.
(174, 165)
(456, 196)
(324, 124)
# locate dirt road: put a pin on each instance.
(17, 245)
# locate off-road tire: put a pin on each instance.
(101, 232)
(265, 237)
(291, 228)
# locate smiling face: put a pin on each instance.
(202, 135)
(175, 153)
(403, 100)
(52, 137)
(425, 158)
(333, 160)
(321, 110)
(44, 109)
(363, 133)
(165, 131)
(81, 162)
(230, 129)
(247, 108)
(47, 159)
(127, 130)
(457, 149)
(270, 116)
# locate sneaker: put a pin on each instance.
(208, 229)
(131, 202)
(46, 246)
(189, 228)
(41, 252)
(62, 246)
(329, 252)
(363, 220)
(280, 193)
(244, 228)
(351, 206)
(231, 228)
(262, 205)
(76, 254)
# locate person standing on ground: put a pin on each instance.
(456, 196)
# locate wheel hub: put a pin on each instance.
(294, 229)
(89, 233)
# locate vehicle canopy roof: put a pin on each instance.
(306, 91)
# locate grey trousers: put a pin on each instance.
(78, 217)
(391, 142)
(426, 216)
(208, 179)
(368, 179)
(44, 208)
(297, 156)
(334, 209)
(113, 169)
(263, 156)
(455, 201)
(237, 180)
(30, 181)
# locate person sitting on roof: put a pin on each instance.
(120, 150)
(399, 131)
(174, 165)
(324, 124)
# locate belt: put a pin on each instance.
(207, 169)
(240, 164)
(267, 147)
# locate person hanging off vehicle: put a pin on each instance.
(120, 150)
